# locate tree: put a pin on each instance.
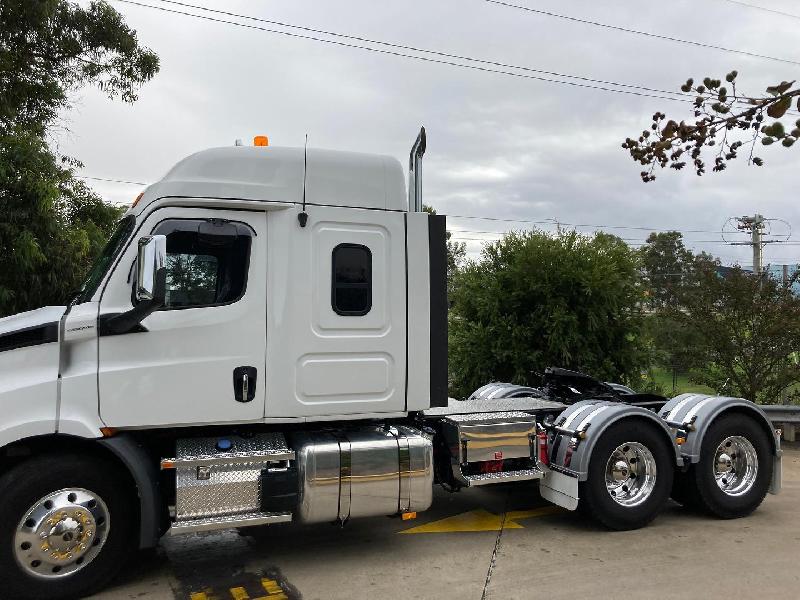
(50, 48)
(665, 262)
(533, 301)
(726, 123)
(52, 224)
(748, 331)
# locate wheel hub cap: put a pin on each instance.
(630, 474)
(620, 470)
(735, 465)
(61, 533)
(724, 463)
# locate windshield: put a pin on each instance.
(107, 256)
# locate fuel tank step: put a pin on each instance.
(503, 477)
(229, 521)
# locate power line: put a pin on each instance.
(675, 97)
(108, 179)
(424, 50)
(764, 8)
(643, 33)
(554, 221)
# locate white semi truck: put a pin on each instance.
(264, 340)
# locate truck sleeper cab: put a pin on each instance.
(263, 341)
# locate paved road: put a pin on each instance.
(458, 550)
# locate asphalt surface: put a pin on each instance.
(497, 542)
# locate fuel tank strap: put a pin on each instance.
(345, 478)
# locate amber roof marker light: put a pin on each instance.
(260, 140)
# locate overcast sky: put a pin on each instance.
(498, 146)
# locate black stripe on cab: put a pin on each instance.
(30, 336)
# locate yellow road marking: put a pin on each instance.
(530, 514)
(239, 593)
(199, 596)
(482, 520)
(273, 589)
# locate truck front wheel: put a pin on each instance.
(67, 525)
(734, 471)
(630, 476)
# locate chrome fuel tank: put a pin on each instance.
(363, 472)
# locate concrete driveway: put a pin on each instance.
(501, 542)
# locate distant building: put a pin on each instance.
(774, 271)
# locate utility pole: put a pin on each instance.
(755, 226)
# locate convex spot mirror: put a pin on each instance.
(151, 269)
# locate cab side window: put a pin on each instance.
(351, 288)
(207, 261)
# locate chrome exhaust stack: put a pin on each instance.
(415, 173)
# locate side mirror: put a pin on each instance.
(151, 270)
(151, 288)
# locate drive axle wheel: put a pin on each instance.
(630, 475)
(66, 526)
(734, 471)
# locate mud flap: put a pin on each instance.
(560, 489)
(777, 474)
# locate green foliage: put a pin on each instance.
(51, 224)
(747, 334)
(674, 343)
(50, 48)
(665, 262)
(533, 301)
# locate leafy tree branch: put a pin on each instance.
(726, 123)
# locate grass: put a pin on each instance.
(663, 378)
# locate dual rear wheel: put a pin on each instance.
(630, 475)
(734, 472)
(632, 472)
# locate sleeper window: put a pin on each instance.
(207, 261)
(351, 293)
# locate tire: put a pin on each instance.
(91, 520)
(634, 494)
(744, 493)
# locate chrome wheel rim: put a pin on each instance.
(735, 465)
(630, 474)
(61, 533)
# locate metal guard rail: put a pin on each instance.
(787, 416)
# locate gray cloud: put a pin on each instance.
(498, 146)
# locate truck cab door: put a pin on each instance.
(200, 358)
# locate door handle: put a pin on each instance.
(244, 383)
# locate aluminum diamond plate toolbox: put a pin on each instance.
(263, 447)
(222, 476)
